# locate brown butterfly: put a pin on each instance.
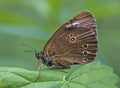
(75, 42)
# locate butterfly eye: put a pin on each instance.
(73, 39)
(85, 60)
(71, 35)
(85, 52)
(85, 45)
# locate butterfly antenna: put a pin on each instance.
(32, 49)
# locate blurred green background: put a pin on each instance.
(32, 22)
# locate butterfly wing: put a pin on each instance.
(75, 42)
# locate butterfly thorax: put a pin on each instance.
(44, 58)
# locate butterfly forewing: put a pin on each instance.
(75, 42)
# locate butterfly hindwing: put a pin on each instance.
(74, 42)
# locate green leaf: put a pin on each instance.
(92, 75)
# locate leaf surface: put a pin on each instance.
(92, 75)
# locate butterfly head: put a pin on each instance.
(43, 58)
(39, 55)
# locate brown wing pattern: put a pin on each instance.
(74, 42)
